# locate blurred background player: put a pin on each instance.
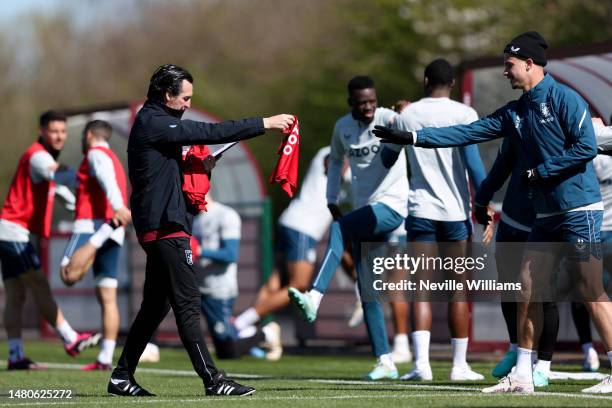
(101, 196)
(439, 208)
(300, 227)
(217, 232)
(26, 217)
(379, 207)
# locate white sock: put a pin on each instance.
(106, 353)
(586, 348)
(248, 331)
(610, 358)
(523, 364)
(400, 342)
(420, 342)
(512, 347)
(357, 293)
(101, 235)
(387, 360)
(66, 332)
(316, 297)
(247, 318)
(543, 366)
(15, 349)
(459, 351)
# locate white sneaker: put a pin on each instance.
(272, 333)
(401, 355)
(465, 373)
(382, 372)
(604, 387)
(357, 315)
(510, 384)
(591, 361)
(418, 374)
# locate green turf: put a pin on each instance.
(295, 381)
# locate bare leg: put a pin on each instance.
(300, 276)
(41, 290)
(273, 284)
(107, 297)
(422, 309)
(458, 311)
(401, 311)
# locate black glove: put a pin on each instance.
(481, 213)
(396, 136)
(209, 163)
(335, 211)
(531, 177)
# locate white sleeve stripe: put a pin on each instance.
(582, 119)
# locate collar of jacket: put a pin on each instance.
(158, 105)
(541, 89)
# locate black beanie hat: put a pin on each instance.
(528, 45)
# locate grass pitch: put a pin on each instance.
(295, 381)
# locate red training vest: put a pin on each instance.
(30, 204)
(91, 201)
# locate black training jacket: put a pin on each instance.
(154, 162)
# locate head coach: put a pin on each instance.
(163, 223)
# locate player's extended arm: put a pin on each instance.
(190, 132)
(574, 117)
(485, 129)
(227, 252)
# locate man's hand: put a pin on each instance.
(530, 177)
(335, 211)
(487, 233)
(481, 213)
(393, 135)
(123, 216)
(279, 122)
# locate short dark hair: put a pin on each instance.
(439, 72)
(50, 116)
(100, 128)
(360, 82)
(167, 78)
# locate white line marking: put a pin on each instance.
(400, 384)
(129, 400)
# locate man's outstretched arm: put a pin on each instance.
(485, 129)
